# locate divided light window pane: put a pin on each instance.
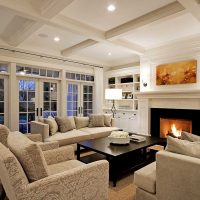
(3, 67)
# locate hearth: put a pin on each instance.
(166, 121)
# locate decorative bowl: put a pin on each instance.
(119, 137)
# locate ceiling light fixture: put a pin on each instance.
(56, 39)
(111, 8)
(109, 53)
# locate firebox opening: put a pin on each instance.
(174, 127)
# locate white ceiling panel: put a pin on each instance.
(5, 19)
(157, 34)
(47, 44)
(108, 54)
(94, 12)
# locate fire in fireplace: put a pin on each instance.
(174, 127)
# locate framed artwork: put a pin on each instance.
(183, 72)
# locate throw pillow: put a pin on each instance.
(64, 124)
(72, 122)
(190, 137)
(96, 120)
(81, 122)
(4, 131)
(53, 126)
(108, 120)
(29, 154)
(183, 147)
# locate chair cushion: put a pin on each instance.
(96, 120)
(4, 131)
(63, 166)
(184, 147)
(53, 126)
(29, 155)
(64, 124)
(145, 178)
(81, 122)
(108, 120)
(190, 137)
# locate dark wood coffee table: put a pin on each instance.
(121, 158)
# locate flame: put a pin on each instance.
(176, 132)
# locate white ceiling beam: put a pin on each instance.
(135, 48)
(78, 47)
(192, 6)
(148, 18)
(50, 8)
(20, 28)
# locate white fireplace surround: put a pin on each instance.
(179, 99)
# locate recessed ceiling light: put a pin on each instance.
(109, 53)
(111, 8)
(56, 39)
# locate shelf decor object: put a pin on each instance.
(113, 94)
(183, 72)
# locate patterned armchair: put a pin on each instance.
(28, 173)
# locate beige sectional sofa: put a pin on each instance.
(80, 132)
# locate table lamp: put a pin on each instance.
(113, 94)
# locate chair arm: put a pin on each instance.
(41, 128)
(87, 182)
(59, 155)
(34, 137)
(45, 146)
(177, 176)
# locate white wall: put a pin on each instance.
(182, 96)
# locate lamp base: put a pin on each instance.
(113, 109)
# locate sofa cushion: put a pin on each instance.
(29, 155)
(108, 120)
(63, 166)
(81, 122)
(64, 124)
(184, 147)
(145, 178)
(98, 132)
(4, 131)
(96, 120)
(53, 126)
(190, 137)
(69, 137)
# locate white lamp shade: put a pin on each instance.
(113, 94)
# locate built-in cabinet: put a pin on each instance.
(127, 79)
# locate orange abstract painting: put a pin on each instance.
(176, 73)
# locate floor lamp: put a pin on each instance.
(113, 94)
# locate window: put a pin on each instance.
(77, 76)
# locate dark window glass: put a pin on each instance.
(35, 71)
(42, 72)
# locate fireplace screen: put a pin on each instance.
(174, 127)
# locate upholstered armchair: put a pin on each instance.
(172, 177)
(28, 173)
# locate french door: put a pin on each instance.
(37, 98)
(4, 100)
(79, 99)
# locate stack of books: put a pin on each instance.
(137, 138)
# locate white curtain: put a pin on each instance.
(98, 90)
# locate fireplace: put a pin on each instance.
(172, 121)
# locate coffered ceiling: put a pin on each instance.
(88, 32)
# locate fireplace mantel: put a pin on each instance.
(183, 94)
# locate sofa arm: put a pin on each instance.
(87, 182)
(34, 137)
(177, 176)
(59, 155)
(45, 146)
(41, 128)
